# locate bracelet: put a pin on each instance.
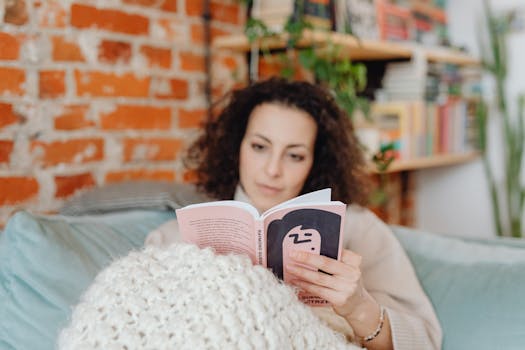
(379, 326)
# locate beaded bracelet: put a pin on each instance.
(379, 326)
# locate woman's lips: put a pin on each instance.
(270, 190)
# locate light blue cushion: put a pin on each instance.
(477, 288)
(46, 262)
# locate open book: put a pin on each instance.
(311, 222)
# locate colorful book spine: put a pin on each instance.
(394, 22)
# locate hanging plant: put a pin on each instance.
(343, 77)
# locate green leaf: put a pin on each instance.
(378, 197)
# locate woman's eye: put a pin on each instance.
(257, 147)
(296, 157)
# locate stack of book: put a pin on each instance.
(357, 17)
(319, 13)
(420, 129)
(405, 80)
(430, 23)
(428, 111)
(415, 20)
(394, 22)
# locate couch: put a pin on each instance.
(46, 261)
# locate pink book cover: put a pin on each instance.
(310, 222)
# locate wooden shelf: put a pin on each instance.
(446, 55)
(353, 48)
(428, 162)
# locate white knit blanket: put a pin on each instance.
(186, 298)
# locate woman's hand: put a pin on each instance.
(343, 288)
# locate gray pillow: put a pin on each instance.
(152, 195)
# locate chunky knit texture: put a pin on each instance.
(186, 298)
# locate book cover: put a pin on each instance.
(394, 122)
(394, 22)
(319, 13)
(357, 17)
(311, 222)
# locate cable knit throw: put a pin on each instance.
(187, 298)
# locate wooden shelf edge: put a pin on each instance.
(436, 54)
(353, 47)
(428, 162)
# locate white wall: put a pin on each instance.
(455, 199)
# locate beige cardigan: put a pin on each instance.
(387, 275)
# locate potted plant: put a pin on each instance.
(507, 196)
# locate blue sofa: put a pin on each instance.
(476, 286)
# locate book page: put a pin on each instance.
(225, 228)
(319, 196)
(315, 228)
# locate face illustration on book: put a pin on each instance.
(302, 229)
(308, 240)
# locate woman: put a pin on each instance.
(278, 139)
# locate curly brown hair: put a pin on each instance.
(338, 160)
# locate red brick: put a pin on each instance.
(16, 12)
(169, 5)
(52, 84)
(192, 118)
(166, 5)
(149, 3)
(178, 89)
(269, 67)
(221, 12)
(228, 13)
(153, 149)
(12, 81)
(73, 117)
(71, 151)
(191, 62)
(17, 189)
(114, 51)
(7, 116)
(9, 47)
(140, 174)
(68, 185)
(197, 33)
(194, 7)
(272, 65)
(157, 56)
(109, 84)
(137, 117)
(83, 16)
(51, 14)
(65, 50)
(171, 29)
(229, 62)
(6, 148)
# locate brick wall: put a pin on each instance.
(93, 92)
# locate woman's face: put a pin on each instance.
(276, 155)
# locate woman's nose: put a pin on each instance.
(274, 166)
